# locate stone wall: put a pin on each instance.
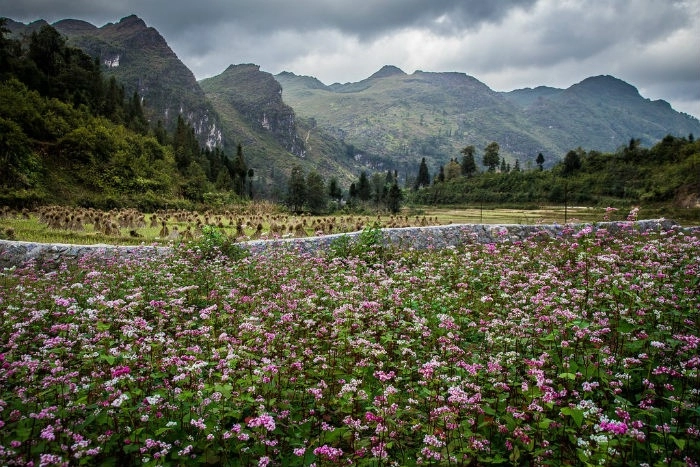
(16, 253)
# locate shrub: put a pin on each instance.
(367, 245)
(215, 242)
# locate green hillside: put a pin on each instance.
(142, 61)
(69, 135)
(273, 137)
(601, 113)
(434, 115)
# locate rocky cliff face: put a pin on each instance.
(257, 97)
(140, 58)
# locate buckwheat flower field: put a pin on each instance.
(576, 350)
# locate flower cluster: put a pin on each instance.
(576, 349)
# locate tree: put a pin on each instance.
(540, 161)
(440, 176)
(112, 105)
(316, 198)
(185, 145)
(572, 162)
(223, 181)
(135, 118)
(379, 187)
(251, 174)
(453, 170)
(296, 190)
(196, 182)
(516, 167)
(394, 198)
(491, 157)
(46, 50)
(389, 179)
(468, 165)
(504, 167)
(364, 191)
(160, 133)
(239, 170)
(5, 48)
(334, 190)
(423, 175)
(14, 154)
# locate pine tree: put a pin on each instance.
(160, 133)
(135, 118)
(379, 187)
(468, 165)
(394, 198)
(441, 175)
(540, 161)
(334, 190)
(364, 190)
(239, 170)
(185, 145)
(6, 54)
(423, 178)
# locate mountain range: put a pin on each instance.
(388, 121)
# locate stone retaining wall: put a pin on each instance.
(14, 253)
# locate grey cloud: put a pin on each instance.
(362, 18)
(646, 42)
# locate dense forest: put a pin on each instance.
(68, 135)
(667, 173)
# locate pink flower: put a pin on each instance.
(120, 370)
(618, 428)
(199, 423)
(264, 420)
(47, 433)
(328, 452)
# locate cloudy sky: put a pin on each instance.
(507, 44)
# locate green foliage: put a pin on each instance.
(468, 165)
(316, 193)
(576, 350)
(665, 173)
(213, 243)
(423, 178)
(69, 137)
(369, 245)
(491, 157)
(394, 198)
(252, 109)
(296, 190)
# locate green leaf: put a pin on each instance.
(160, 431)
(575, 414)
(544, 424)
(515, 455)
(679, 442)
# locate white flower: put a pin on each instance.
(153, 400)
(120, 400)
